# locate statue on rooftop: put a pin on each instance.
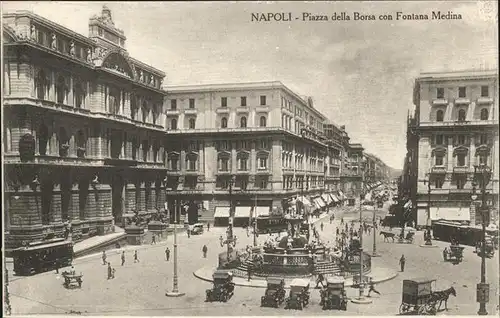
(72, 48)
(53, 42)
(33, 33)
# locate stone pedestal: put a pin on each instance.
(158, 228)
(135, 235)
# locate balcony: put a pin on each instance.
(462, 101)
(482, 168)
(484, 100)
(439, 191)
(222, 110)
(439, 102)
(438, 170)
(242, 109)
(120, 162)
(460, 170)
(190, 111)
(192, 172)
(262, 109)
(172, 112)
(223, 172)
(460, 191)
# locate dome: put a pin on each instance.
(297, 242)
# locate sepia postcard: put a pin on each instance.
(250, 158)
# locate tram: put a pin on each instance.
(42, 256)
(271, 224)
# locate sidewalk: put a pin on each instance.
(378, 274)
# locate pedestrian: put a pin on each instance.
(322, 226)
(123, 257)
(188, 233)
(167, 254)
(402, 262)
(104, 258)
(136, 258)
(208, 227)
(372, 288)
(113, 273)
(110, 271)
(204, 250)
(153, 239)
(320, 280)
(337, 231)
(249, 271)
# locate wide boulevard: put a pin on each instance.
(139, 288)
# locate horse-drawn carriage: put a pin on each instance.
(489, 247)
(408, 238)
(223, 288)
(299, 294)
(418, 297)
(275, 293)
(454, 254)
(333, 295)
(72, 279)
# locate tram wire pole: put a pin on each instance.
(482, 288)
(175, 291)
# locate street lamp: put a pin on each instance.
(427, 234)
(231, 239)
(482, 289)
(175, 290)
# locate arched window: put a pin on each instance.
(439, 115)
(63, 142)
(43, 138)
(61, 90)
(263, 121)
(461, 115)
(173, 124)
(243, 122)
(81, 144)
(114, 100)
(484, 114)
(41, 85)
(223, 122)
(79, 94)
(192, 123)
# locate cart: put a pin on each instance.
(275, 293)
(417, 297)
(489, 247)
(333, 295)
(409, 238)
(299, 294)
(72, 279)
(454, 254)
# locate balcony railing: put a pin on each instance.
(242, 109)
(462, 101)
(439, 102)
(222, 110)
(464, 169)
(458, 123)
(484, 100)
(459, 191)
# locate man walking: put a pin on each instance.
(204, 250)
(402, 262)
(110, 271)
(136, 258)
(208, 226)
(123, 257)
(153, 239)
(167, 254)
(104, 258)
(322, 226)
(372, 288)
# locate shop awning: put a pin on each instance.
(242, 212)
(450, 214)
(262, 211)
(321, 202)
(342, 196)
(334, 198)
(326, 198)
(304, 201)
(221, 212)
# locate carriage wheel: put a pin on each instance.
(403, 308)
(430, 308)
(422, 310)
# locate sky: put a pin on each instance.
(359, 73)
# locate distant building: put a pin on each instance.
(457, 126)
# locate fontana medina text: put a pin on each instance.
(353, 16)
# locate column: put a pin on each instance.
(234, 163)
(472, 152)
(70, 92)
(126, 110)
(470, 111)
(449, 153)
(275, 164)
(52, 88)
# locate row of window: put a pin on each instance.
(461, 139)
(462, 92)
(223, 102)
(223, 163)
(243, 122)
(460, 182)
(462, 114)
(288, 182)
(460, 160)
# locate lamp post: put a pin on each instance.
(482, 289)
(427, 236)
(175, 290)
(8, 308)
(374, 252)
(254, 222)
(231, 239)
(361, 298)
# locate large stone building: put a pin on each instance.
(253, 143)
(83, 130)
(457, 125)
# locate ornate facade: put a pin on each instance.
(457, 128)
(83, 129)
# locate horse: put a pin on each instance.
(387, 236)
(442, 296)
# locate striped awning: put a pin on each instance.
(342, 195)
(321, 202)
(242, 212)
(262, 211)
(326, 198)
(221, 212)
(304, 200)
(334, 198)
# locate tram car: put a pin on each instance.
(275, 293)
(449, 231)
(42, 256)
(223, 288)
(333, 295)
(271, 224)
